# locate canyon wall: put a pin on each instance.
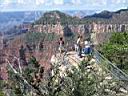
(101, 32)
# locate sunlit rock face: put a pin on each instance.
(79, 28)
(101, 32)
(66, 30)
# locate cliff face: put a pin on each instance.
(102, 31)
(81, 28)
(61, 29)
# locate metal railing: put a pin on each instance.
(112, 68)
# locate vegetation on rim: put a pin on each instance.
(116, 50)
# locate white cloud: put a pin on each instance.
(104, 2)
(116, 1)
(21, 1)
(123, 1)
(120, 2)
(58, 2)
(98, 2)
(49, 3)
(6, 2)
(39, 2)
(76, 2)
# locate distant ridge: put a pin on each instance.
(120, 16)
(10, 19)
(52, 17)
(104, 14)
(80, 13)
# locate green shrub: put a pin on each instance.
(1, 93)
(116, 49)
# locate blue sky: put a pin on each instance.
(21, 5)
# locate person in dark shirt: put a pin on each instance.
(61, 45)
(22, 55)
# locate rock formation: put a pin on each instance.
(102, 31)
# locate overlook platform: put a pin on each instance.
(71, 59)
(71, 56)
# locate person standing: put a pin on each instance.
(87, 48)
(61, 45)
(22, 55)
(79, 44)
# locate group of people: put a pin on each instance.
(81, 46)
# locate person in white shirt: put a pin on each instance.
(87, 49)
(79, 44)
